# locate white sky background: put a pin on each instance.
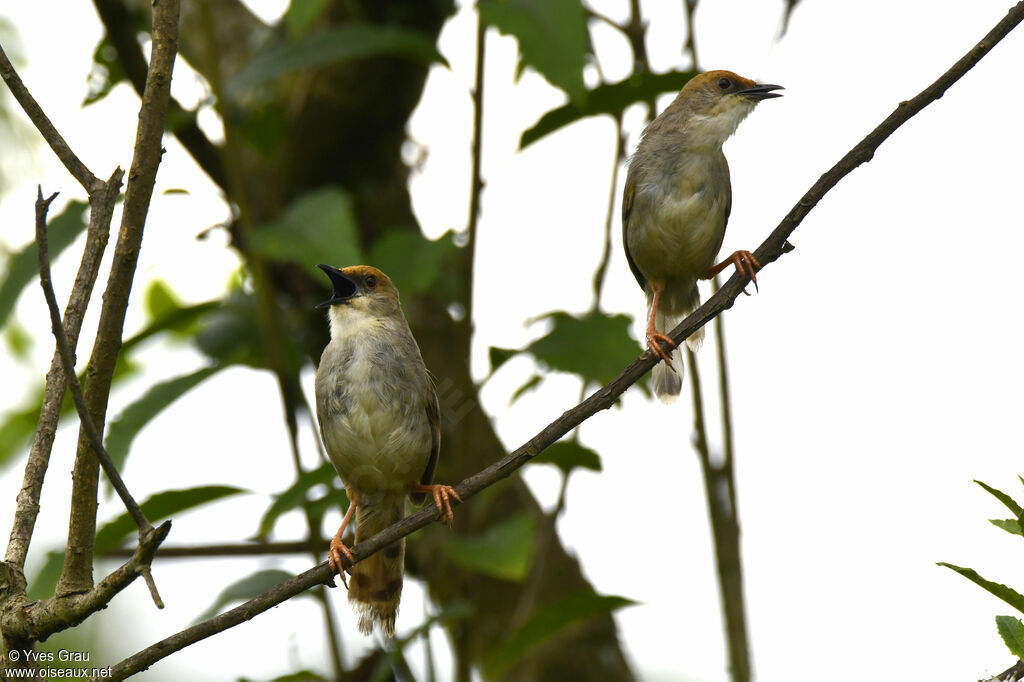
(874, 376)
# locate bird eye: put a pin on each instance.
(724, 83)
(371, 281)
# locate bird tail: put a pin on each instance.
(375, 585)
(668, 382)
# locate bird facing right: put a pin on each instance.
(676, 205)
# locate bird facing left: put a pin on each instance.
(381, 426)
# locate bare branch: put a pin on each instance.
(77, 573)
(42, 123)
(68, 361)
(768, 252)
(102, 203)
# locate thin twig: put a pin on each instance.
(68, 361)
(602, 268)
(102, 204)
(726, 403)
(42, 123)
(726, 536)
(477, 183)
(769, 251)
(691, 34)
(231, 550)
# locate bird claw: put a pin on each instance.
(334, 555)
(442, 495)
(746, 264)
(653, 339)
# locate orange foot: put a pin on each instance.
(442, 498)
(745, 263)
(653, 339)
(338, 547)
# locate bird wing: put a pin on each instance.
(627, 209)
(434, 417)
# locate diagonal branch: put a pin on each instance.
(769, 251)
(42, 123)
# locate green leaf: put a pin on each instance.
(499, 356)
(159, 507)
(1012, 632)
(503, 551)
(245, 589)
(133, 418)
(545, 623)
(552, 37)
(318, 227)
(596, 346)
(159, 301)
(569, 454)
(1010, 503)
(414, 261)
(301, 14)
(1009, 525)
(335, 46)
(1008, 595)
(18, 340)
(297, 496)
(265, 127)
(609, 98)
(45, 582)
(528, 385)
(300, 676)
(23, 266)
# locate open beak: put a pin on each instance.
(344, 288)
(759, 92)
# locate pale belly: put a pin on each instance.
(680, 237)
(378, 438)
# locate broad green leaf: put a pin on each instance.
(547, 622)
(569, 454)
(1008, 595)
(596, 346)
(301, 14)
(414, 262)
(265, 127)
(1009, 525)
(502, 551)
(318, 227)
(297, 495)
(45, 582)
(499, 356)
(245, 589)
(1010, 503)
(133, 418)
(159, 507)
(18, 340)
(452, 612)
(183, 321)
(609, 98)
(159, 301)
(552, 37)
(23, 267)
(528, 385)
(1012, 632)
(334, 46)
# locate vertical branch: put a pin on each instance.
(691, 43)
(469, 251)
(102, 203)
(726, 534)
(620, 156)
(77, 573)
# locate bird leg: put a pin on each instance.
(338, 547)
(745, 262)
(442, 495)
(654, 336)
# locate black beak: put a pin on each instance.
(759, 92)
(344, 288)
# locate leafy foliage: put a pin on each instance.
(568, 455)
(503, 551)
(22, 267)
(1012, 632)
(333, 46)
(318, 227)
(245, 589)
(607, 98)
(298, 495)
(546, 622)
(552, 37)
